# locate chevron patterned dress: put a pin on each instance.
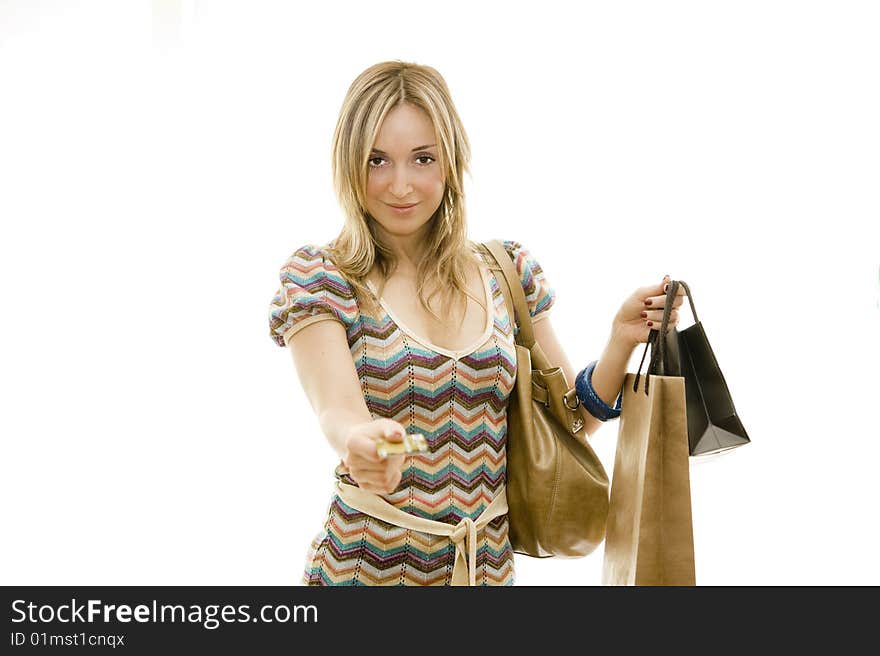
(456, 399)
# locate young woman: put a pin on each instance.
(398, 326)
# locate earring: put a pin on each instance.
(447, 211)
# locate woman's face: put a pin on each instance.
(404, 170)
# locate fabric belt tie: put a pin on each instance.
(463, 535)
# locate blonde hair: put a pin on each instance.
(356, 249)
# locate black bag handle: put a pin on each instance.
(658, 364)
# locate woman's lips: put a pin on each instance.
(401, 210)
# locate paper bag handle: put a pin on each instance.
(658, 364)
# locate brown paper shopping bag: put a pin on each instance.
(649, 536)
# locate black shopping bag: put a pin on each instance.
(712, 421)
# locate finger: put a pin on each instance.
(651, 291)
(391, 430)
(679, 292)
(391, 463)
(657, 315)
(364, 467)
(394, 461)
(379, 483)
(370, 486)
(392, 480)
(367, 447)
(362, 450)
(372, 477)
(659, 301)
(657, 321)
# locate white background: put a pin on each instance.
(159, 162)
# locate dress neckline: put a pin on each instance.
(459, 353)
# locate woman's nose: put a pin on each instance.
(400, 183)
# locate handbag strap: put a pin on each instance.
(514, 295)
(658, 364)
(515, 300)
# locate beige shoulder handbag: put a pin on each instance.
(557, 488)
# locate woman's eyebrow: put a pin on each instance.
(382, 152)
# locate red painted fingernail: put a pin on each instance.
(650, 323)
(648, 302)
(644, 315)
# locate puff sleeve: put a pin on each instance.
(312, 289)
(540, 295)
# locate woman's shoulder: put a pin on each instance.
(311, 288)
(512, 246)
(314, 261)
(540, 295)
(311, 252)
(519, 254)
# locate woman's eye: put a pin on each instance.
(420, 157)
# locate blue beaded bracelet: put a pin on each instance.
(595, 406)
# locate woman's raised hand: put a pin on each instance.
(642, 312)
